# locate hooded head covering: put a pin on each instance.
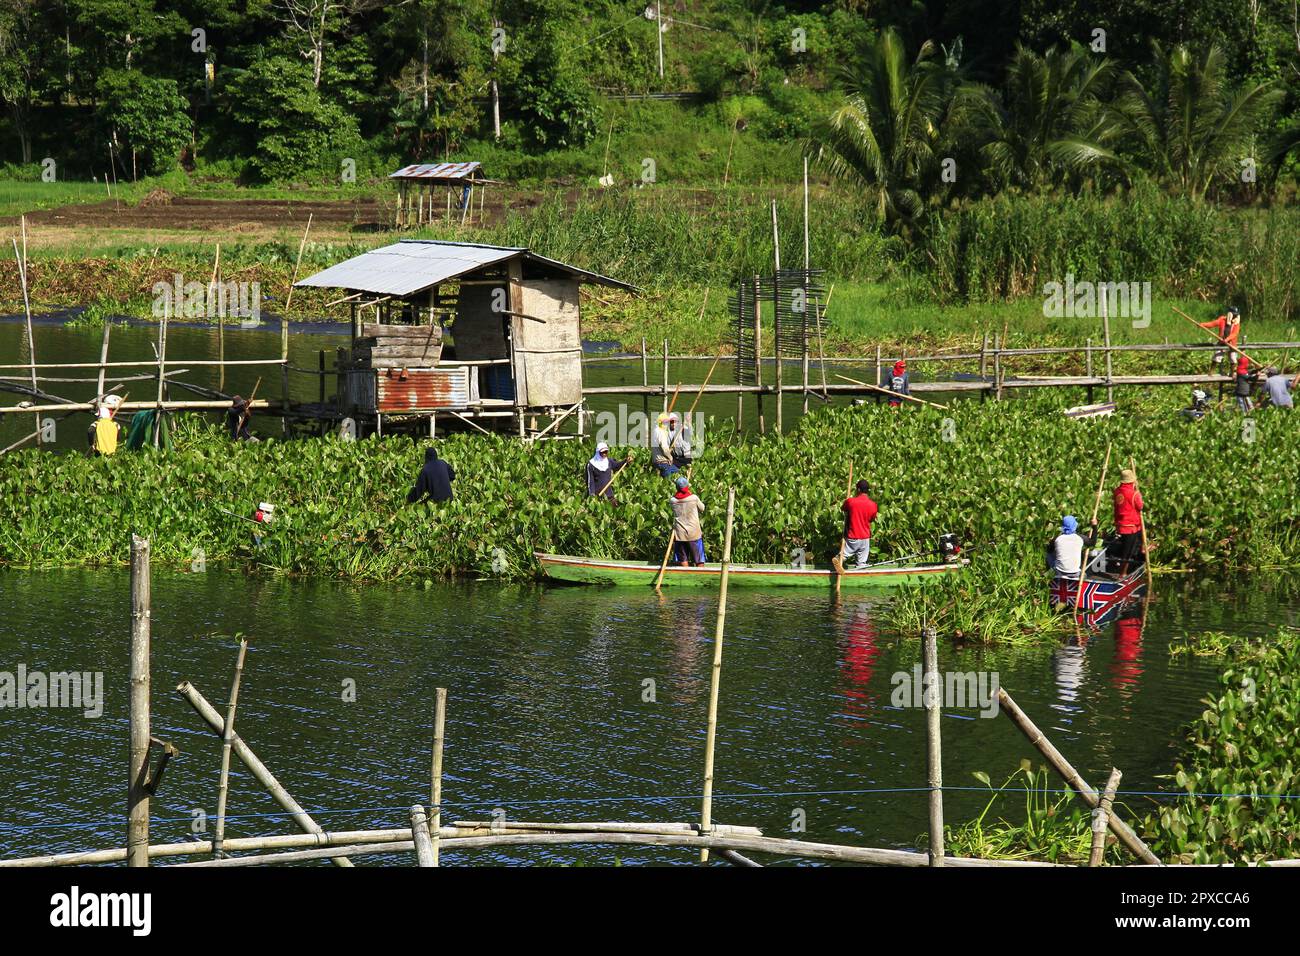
(598, 461)
(1127, 476)
(900, 367)
(672, 418)
(1069, 524)
(430, 454)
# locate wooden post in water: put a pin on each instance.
(137, 799)
(931, 697)
(27, 311)
(425, 854)
(1087, 364)
(1101, 817)
(227, 742)
(1071, 776)
(439, 726)
(645, 384)
(1105, 329)
(103, 360)
(776, 335)
(706, 810)
(997, 366)
(806, 269)
(758, 356)
(879, 365)
(665, 408)
(284, 329)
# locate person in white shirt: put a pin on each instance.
(1065, 553)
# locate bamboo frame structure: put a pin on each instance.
(227, 740)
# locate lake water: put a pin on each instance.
(547, 717)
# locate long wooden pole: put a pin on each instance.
(776, 325)
(877, 388)
(137, 800)
(1101, 817)
(103, 360)
(933, 685)
(191, 695)
(700, 393)
(439, 736)
(227, 738)
(1096, 505)
(838, 563)
(1215, 335)
(21, 259)
(1142, 523)
(615, 472)
(663, 565)
(221, 323)
(1071, 776)
(710, 741)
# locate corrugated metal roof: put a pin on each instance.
(413, 265)
(436, 171)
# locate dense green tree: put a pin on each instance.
(145, 118)
(29, 52)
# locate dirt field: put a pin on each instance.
(166, 212)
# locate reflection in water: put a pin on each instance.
(1126, 668)
(1068, 663)
(687, 622)
(859, 644)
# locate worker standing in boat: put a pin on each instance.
(661, 453)
(1127, 502)
(434, 482)
(688, 538)
(1066, 551)
(859, 512)
(899, 383)
(601, 470)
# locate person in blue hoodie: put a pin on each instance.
(434, 482)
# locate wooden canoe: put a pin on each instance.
(577, 570)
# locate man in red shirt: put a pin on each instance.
(859, 512)
(1227, 328)
(1128, 518)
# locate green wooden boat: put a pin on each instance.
(576, 570)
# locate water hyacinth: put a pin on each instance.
(1003, 481)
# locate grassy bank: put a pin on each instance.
(1003, 481)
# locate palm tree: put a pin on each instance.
(884, 135)
(1188, 127)
(1050, 122)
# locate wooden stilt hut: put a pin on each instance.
(420, 184)
(490, 335)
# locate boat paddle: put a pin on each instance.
(1096, 505)
(663, 565)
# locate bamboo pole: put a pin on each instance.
(758, 356)
(1105, 329)
(838, 561)
(700, 393)
(665, 375)
(673, 402)
(645, 384)
(821, 344)
(877, 388)
(776, 349)
(710, 741)
(1100, 818)
(614, 473)
(1096, 505)
(227, 738)
(1071, 776)
(424, 853)
(21, 259)
(663, 565)
(1218, 338)
(934, 759)
(221, 323)
(439, 737)
(103, 360)
(191, 695)
(1142, 523)
(137, 799)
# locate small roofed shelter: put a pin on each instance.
(418, 184)
(513, 348)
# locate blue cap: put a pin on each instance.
(681, 482)
(1069, 524)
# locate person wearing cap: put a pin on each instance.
(683, 452)
(601, 470)
(237, 418)
(1127, 501)
(1227, 328)
(1280, 387)
(688, 538)
(859, 512)
(105, 433)
(899, 383)
(661, 452)
(1066, 551)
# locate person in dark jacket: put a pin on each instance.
(601, 470)
(435, 480)
(237, 418)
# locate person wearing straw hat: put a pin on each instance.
(601, 470)
(105, 433)
(1127, 501)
